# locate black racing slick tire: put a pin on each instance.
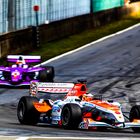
(7, 75)
(71, 116)
(26, 112)
(47, 75)
(135, 114)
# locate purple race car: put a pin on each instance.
(21, 73)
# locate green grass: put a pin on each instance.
(54, 48)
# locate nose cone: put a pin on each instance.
(15, 76)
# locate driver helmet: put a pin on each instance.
(87, 97)
(20, 61)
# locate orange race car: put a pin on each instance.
(70, 106)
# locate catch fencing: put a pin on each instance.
(19, 14)
(3, 16)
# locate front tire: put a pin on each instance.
(71, 116)
(47, 75)
(7, 75)
(26, 112)
(135, 114)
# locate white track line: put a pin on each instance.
(75, 138)
(23, 138)
(94, 42)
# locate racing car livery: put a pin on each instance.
(21, 73)
(70, 106)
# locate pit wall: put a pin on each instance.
(23, 40)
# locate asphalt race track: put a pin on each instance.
(112, 69)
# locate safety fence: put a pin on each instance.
(3, 15)
(19, 14)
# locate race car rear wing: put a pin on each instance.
(27, 58)
(36, 87)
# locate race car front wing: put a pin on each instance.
(89, 123)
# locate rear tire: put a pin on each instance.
(71, 116)
(26, 112)
(135, 114)
(47, 75)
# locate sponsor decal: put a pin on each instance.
(55, 117)
(55, 121)
(33, 88)
(88, 104)
(56, 85)
(54, 90)
(56, 109)
(84, 125)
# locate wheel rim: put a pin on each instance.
(65, 116)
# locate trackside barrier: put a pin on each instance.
(23, 40)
